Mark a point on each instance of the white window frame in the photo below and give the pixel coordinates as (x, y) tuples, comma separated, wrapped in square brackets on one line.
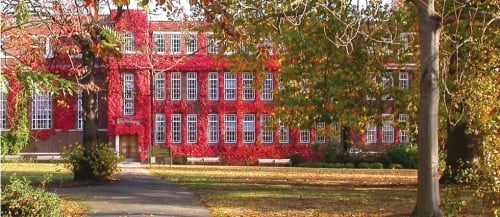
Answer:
[(128, 94), (160, 127), (159, 42), (404, 80), (213, 86), (175, 43), (230, 86), (3, 110), (192, 86), (176, 128), (387, 129), (267, 88), (320, 126), (336, 137), (175, 86), (248, 128), (41, 111), (128, 42), (213, 128), (284, 133), (192, 128), (404, 134), (230, 132), (248, 92), (266, 133), (371, 133), (213, 44), (387, 82), (305, 136), (160, 88), (191, 43)]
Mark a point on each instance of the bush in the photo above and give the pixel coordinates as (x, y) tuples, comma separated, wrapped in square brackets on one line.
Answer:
[(404, 155), (349, 165), (331, 153), (296, 159), (179, 160), (376, 165), (395, 166), (363, 165), (100, 160), (19, 198)]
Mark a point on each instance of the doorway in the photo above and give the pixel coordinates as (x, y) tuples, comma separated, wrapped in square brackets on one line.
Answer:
[(128, 146)]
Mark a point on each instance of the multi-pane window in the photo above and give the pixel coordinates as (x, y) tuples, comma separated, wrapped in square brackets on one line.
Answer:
[(41, 111), (213, 45), (248, 128), (230, 128), (404, 137), (267, 88), (266, 132), (175, 86), (320, 132), (247, 87), (192, 128), (160, 86), (387, 129), (3, 110), (79, 112), (159, 42), (213, 128), (386, 84), (192, 86), (192, 43), (371, 133), (305, 136), (160, 127), (336, 134), (128, 42), (213, 86), (128, 94), (176, 128), (229, 86), (175, 43), (284, 133), (403, 80)]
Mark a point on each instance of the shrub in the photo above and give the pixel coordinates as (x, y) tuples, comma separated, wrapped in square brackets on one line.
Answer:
[(100, 160), (296, 159), (19, 198), (331, 153), (179, 160), (404, 155), (376, 165), (363, 165), (395, 166), (349, 165)]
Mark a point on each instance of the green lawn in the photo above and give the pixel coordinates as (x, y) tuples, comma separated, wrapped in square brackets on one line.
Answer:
[(283, 191)]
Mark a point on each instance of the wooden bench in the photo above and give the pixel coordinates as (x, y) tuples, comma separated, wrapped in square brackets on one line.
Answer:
[(202, 160), (274, 162), (11, 157)]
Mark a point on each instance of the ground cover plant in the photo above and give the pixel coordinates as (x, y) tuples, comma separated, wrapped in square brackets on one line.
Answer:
[(39, 176), (284, 191)]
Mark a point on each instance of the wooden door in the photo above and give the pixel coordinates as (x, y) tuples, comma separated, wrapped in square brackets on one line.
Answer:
[(128, 146)]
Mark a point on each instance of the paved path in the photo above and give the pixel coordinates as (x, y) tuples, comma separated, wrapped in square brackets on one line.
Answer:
[(138, 193)]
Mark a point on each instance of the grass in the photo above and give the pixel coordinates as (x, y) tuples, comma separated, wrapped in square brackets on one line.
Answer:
[(36, 173), (283, 191)]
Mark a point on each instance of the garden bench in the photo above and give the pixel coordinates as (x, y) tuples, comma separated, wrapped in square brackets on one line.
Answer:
[(42, 156), (11, 157), (48, 157), (202, 160), (274, 162)]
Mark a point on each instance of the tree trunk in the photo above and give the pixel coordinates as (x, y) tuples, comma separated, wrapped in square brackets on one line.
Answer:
[(428, 157), (90, 109), (459, 152)]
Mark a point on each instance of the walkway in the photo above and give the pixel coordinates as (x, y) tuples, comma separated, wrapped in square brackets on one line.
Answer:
[(138, 193)]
